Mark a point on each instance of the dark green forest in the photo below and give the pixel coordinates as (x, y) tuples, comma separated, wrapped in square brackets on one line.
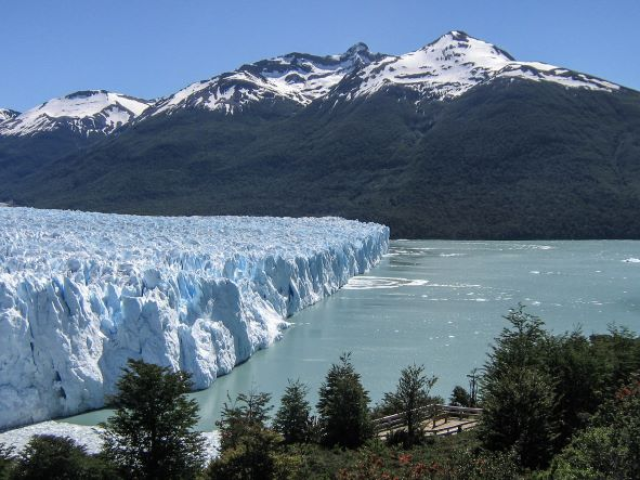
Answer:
[(506, 160)]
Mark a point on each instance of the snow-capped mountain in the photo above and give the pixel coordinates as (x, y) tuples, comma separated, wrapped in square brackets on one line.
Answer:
[(444, 69), (455, 63), (86, 113), (297, 77), (455, 140), (7, 114)]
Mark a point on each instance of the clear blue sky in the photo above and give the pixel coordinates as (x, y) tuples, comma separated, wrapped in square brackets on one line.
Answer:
[(150, 48)]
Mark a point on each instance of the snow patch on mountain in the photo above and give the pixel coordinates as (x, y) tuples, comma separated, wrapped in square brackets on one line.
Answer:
[(455, 63), (7, 114), (80, 293), (87, 112)]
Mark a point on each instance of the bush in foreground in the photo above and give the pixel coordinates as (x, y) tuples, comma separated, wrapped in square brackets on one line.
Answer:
[(47, 457)]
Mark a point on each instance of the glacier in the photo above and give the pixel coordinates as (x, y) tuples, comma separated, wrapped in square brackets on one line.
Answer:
[(81, 293)]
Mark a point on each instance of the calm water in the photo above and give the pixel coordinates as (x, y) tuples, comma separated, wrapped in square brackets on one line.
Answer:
[(439, 303)]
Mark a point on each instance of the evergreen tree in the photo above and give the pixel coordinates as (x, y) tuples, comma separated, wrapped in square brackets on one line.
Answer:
[(47, 457), (518, 393), (150, 435), (293, 418), (411, 399), (343, 406)]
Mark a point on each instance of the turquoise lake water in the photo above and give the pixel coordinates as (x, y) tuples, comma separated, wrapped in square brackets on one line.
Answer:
[(439, 303)]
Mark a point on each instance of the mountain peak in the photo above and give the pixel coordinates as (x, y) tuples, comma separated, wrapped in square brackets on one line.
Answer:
[(455, 63), (85, 94), (359, 47), (457, 35), (295, 77), (85, 111), (457, 39)]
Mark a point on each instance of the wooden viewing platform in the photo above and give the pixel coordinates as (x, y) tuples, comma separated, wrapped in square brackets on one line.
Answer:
[(436, 420)]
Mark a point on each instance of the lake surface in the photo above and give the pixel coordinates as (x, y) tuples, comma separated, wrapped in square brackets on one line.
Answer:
[(439, 303)]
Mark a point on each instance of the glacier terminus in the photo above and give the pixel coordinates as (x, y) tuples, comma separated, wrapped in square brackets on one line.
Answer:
[(81, 293)]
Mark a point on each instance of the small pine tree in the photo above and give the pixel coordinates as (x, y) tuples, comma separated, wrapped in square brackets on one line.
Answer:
[(293, 418), (150, 435), (343, 406), (411, 398)]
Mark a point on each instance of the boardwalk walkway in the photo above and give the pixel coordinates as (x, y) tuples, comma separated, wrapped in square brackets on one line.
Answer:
[(437, 420)]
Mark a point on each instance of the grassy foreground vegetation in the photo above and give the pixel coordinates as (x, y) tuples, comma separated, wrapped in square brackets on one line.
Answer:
[(554, 407)]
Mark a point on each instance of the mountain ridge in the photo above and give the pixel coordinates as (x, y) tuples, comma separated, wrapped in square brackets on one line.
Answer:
[(507, 150), (357, 60)]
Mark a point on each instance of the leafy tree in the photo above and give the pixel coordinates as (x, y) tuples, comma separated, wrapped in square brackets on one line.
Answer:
[(587, 457), (518, 394), (293, 418), (47, 457), (343, 406), (253, 458), (621, 347), (460, 397), (582, 375), (411, 399), (248, 447), (518, 414), (150, 435), (525, 343), (240, 419), (610, 447)]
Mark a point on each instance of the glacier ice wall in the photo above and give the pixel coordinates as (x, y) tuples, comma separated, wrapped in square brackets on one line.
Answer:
[(80, 293)]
